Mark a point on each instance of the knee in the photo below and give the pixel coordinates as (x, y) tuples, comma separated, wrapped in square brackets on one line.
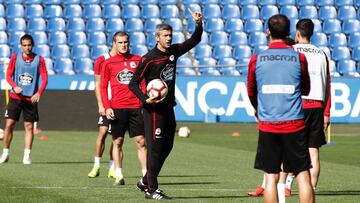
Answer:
[(140, 142), (28, 126), (118, 142)]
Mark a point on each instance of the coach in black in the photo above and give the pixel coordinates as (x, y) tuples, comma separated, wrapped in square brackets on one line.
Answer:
[(159, 117)]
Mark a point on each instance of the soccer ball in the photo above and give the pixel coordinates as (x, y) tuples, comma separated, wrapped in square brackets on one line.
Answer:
[(184, 131), (157, 88)]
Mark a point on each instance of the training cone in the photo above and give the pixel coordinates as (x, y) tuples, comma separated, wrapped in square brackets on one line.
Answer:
[(235, 134), (44, 137), (37, 131)]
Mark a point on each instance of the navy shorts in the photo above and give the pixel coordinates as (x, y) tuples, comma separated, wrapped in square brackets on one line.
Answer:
[(314, 127), (130, 120), (15, 107)]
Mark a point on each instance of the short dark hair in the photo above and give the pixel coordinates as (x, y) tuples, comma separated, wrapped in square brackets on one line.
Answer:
[(27, 37), (289, 41), (161, 27), (305, 27), (119, 34), (279, 26)]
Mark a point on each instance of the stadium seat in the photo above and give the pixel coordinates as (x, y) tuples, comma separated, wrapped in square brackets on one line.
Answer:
[(60, 51), (308, 12), (339, 3), (34, 11), (225, 2), (203, 50), (242, 51), (355, 54), (290, 11), (331, 26), (357, 3), (95, 24), (257, 38), (228, 67), (238, 38), (337, 39), (204, 2), (72, 11), (207, 66), (286, 2), (42, 50), (2, 10), (83, 66), (98, 50), (49, 66), (347, 68), (218, 38), (39, 37), (305, 2), (340, 53), (16, 24), (36, 24), (234, 25), (16, 48), (214, 24), (175, 23), (137, 38), (169, 11), (346, 12), (230, 11), (184, 61), (319, 39), (79, 51), (266, 2), (52, 2), (351, 26), (114, 24), (150, 24), (131, 11), (76, 38), (69, 2), (212, 11), (146, 2), (111, 11), (190, 25), (14, 10), (317, 25), (150, 11), (333, 70), (267, 11), (3, 37), (126, 2), (167, 2), (150, 40), (178, 37), (4, 51), (7, 2), (204, 38), (58, 37), (53, 11), (247, 2), (327, 12), (325, 3), (193, 7), (64, 66), (28, 2), (134, 25), (92, 11), (56, 24), (86, 2), (253, 25), (326, 50), (354, 40), (222, 51), (2, 24), (96, 38), (14, 37), (75, 25), (139, 49), (184, 67), (250, 12), (259, 48)]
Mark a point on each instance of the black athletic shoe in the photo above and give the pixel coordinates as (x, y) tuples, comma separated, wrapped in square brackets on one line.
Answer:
[(141, 186), (157, 195)]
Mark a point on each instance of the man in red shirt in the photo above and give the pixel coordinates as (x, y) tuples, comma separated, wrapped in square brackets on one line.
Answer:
[(103, 122), (23, 75), (124, 108)]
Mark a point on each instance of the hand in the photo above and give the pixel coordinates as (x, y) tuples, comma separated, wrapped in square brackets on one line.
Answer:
[(35, 98), (326, 122), (110, 114), (154, 100), (197, 16), (17, 90), (102, 111)]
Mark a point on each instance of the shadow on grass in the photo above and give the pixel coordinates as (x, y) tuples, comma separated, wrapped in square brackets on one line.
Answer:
[(186, 176), (338, 193), (215, 197), (191, 183)]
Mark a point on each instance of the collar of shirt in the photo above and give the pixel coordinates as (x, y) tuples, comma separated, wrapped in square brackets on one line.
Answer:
[(275, 45)]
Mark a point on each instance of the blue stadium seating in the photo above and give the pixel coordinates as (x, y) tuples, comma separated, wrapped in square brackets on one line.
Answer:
[(266, 2), (317, 25), (354, 40), (2, 11), (327, 12), (2, 24), (207, 66), (92, 11), (331, 26), (333, 69), (250, 12), (111, 11), (34, 11), (290, 11), (203, 50), (80, 51), (218, 38), (137, 38), (222, 51), (230, 11), (184, 67), (355, 54), (150, 24), (238, 38), (14, 10), (247, 2), (212, 11), (85, 2), (12, 2), (16, 49), (134, 25), (52, 2), (16, 24), (325, 3), (228, 68), (64, 66), (340, 53), (305, 2), (214, 24), (139, 49), (193, 8), (169, 11), (72, 10), (337, 39), (76, 38), (308, 12), (39, 37), (53, 11), (114, 24), (178, 37), (346, 12), (3, 37), (175, 23), (4, 51), (259, 48), (168, 2), (96, 38), (75, 24), (84, 66), (225, 2), (253, 25), (49, 66), (69, 2), (351, 26), (58, 37), (267, 11), (127, 2), (150, 40), (98, 50), (347, 68), (286, 2), (234, 25), (242, 51), (150, 11), (28, 2), (145, 2), (42, 50), (257, 38), (339, 3), (319, 39), (36, 24), (60, 51), (204, 38), (56, 24), (95, 24)]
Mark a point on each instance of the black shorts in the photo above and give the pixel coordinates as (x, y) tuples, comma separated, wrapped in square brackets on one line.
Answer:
[(314, 131), (289, 149), (103, 121), (15, 106), (127, 119)]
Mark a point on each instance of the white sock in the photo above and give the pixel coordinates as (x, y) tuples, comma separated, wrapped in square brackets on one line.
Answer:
[(264, 182), (118, 172), (143, 171), (111, 164), (6, 151), (27, 153), (314, 189), (97, 161), (281, 192), (289, 181)]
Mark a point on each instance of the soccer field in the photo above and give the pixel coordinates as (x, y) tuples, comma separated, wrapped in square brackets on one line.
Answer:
[(210, 166)]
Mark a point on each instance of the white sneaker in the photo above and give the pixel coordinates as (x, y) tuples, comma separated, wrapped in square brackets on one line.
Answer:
[(26, 161), (4, 159)]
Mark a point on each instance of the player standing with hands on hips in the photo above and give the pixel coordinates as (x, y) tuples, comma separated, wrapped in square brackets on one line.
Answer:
[(159, 117)]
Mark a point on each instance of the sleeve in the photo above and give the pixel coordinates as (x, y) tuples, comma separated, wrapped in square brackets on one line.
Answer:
[(187, 45), (328, 89), (97, 64), (104, 83), (10, 71), (251, 82), (137, 78), (305, 78), (44, 75)]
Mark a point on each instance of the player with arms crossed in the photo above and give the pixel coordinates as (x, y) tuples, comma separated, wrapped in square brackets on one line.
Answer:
[(277, 78), (124, 108)]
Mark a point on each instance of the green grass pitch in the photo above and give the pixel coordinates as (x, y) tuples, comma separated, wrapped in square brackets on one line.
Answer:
[(210, 166)]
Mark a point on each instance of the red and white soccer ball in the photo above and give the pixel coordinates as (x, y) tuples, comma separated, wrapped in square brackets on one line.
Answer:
[(157, 88), (184, 131)]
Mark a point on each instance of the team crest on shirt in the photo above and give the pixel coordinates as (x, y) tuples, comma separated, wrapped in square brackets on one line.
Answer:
[(172, 57), (158, 131), (168, 72), (26, 79), (132, 64), (124, 76)]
